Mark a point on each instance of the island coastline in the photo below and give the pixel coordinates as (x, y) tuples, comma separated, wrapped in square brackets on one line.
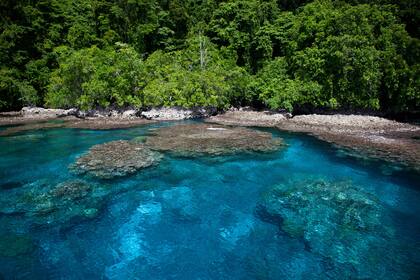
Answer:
[(373, 136)]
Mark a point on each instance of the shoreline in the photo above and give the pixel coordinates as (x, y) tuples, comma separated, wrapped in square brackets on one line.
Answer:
[(374, 136)]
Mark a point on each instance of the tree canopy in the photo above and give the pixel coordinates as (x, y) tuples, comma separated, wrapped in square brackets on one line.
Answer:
[(326, 54)]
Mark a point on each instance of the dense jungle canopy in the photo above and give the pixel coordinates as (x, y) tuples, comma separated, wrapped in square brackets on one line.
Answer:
[(349, 55)]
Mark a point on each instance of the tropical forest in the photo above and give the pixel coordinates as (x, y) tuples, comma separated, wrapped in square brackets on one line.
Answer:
[(209, 139)]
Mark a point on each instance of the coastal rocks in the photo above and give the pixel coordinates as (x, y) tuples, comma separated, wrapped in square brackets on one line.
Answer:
[(38, 112), (338, 221), (73, 122), (369, 135), (168, 114), (115, 159), (342, 122), (43, 203), (109, 113), (207, 139), (377, 137), (129, 114), (248, 118)]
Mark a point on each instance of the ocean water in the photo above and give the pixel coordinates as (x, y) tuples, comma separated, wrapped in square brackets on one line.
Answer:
[(192, 218)]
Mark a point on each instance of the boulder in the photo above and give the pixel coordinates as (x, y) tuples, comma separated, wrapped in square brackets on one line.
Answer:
[(128, 114)]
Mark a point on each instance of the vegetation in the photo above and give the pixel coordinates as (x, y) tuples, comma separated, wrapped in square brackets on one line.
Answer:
[(278, 54)]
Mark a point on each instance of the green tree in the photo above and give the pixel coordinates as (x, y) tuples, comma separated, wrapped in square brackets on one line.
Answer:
[(94, 77)]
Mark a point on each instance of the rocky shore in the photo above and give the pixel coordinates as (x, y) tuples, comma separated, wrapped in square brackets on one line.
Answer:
[(37, 114), (30, 118), (373, 136)]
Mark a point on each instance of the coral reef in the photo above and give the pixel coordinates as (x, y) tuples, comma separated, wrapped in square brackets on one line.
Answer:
[(44, 203), (115, 159), (338, 221), (207, 139)]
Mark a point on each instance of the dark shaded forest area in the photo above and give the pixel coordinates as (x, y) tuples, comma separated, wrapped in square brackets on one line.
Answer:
[(347, 55)]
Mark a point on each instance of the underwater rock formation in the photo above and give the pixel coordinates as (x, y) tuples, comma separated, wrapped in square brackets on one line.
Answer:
[(44, 203), (340, 222), (115, 159), (207, 139)]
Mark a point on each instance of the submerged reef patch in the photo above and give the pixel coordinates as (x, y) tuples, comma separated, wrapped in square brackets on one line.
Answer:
[(43, 203), (115, 159), (207, 139), (342, 223)]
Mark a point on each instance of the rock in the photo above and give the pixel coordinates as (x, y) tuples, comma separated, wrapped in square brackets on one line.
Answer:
[(288, 115), (167, 114), (82, 114), (13, 245), (109, 114), (128, 114), (207, 139), (115, 159), (246, 117), (73, 112), (170, 113), (338, 221), (113, 114), (37, 112), (371, 136), (359, 122)]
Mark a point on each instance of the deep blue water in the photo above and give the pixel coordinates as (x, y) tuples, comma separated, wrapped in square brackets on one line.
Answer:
[(188, 218)]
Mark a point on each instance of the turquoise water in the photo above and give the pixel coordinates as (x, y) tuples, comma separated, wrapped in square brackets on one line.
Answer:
[(192, 218)]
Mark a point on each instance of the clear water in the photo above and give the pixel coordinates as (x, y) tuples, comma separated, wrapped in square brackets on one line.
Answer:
[(187, 218)]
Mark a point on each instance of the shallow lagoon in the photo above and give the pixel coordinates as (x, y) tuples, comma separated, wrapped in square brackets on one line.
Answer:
[(191, 218)]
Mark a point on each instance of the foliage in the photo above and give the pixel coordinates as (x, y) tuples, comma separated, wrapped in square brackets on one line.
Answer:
[(192, 77), (277, 90), (335, 55), (94, 77), (348, 54)]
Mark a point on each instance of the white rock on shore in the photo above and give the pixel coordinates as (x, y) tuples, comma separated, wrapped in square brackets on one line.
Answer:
[(165, 113), (128, 114), (161, 114), (42, 113), (38, 112)]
